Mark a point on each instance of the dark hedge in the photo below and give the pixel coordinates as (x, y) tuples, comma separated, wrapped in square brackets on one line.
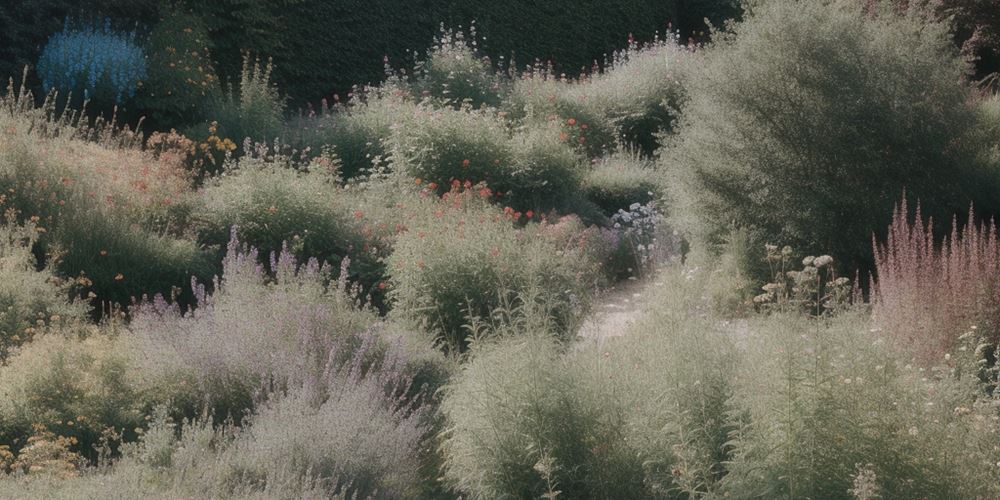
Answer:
[(321, 47)]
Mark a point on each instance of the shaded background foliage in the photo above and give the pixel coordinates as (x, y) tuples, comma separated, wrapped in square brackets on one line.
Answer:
[(322, 47)]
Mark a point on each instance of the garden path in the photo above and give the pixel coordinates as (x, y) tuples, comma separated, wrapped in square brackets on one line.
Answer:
[(616, 310)]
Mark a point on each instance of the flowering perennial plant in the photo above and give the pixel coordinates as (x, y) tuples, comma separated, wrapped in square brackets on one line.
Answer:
[(93, 59)]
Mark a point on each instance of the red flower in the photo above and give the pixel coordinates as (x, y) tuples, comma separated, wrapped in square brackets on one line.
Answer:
[(508, 210), (432, 185), (571, 122), (466, 163), (563, 136), (495, 252), (485, 192), (530, 214), (358, 214), (381, 285), (455, 183), (468, 184), (517, 215), (584, 126)]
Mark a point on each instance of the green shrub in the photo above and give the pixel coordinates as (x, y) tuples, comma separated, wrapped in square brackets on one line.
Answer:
[(120, 262), (358, 132), (523, 423), (641, 93), (540, 98), (74, 388), (182, 79), (532, 170), (807, 123), (103, 209), (618, 181), (469, 261), (273, 205), (28, 296), (439, 146), (545, 173), (456, 74)]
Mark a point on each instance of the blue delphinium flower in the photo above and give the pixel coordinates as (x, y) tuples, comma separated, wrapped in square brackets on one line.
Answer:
[(88, 58)]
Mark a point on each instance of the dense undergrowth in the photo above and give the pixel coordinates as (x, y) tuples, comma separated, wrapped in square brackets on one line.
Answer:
[(383, 299)]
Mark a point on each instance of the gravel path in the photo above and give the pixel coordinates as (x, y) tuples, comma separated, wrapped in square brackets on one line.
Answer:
[(616, 310)]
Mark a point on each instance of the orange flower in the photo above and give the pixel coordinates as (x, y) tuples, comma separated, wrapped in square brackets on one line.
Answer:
[(418, 180)]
